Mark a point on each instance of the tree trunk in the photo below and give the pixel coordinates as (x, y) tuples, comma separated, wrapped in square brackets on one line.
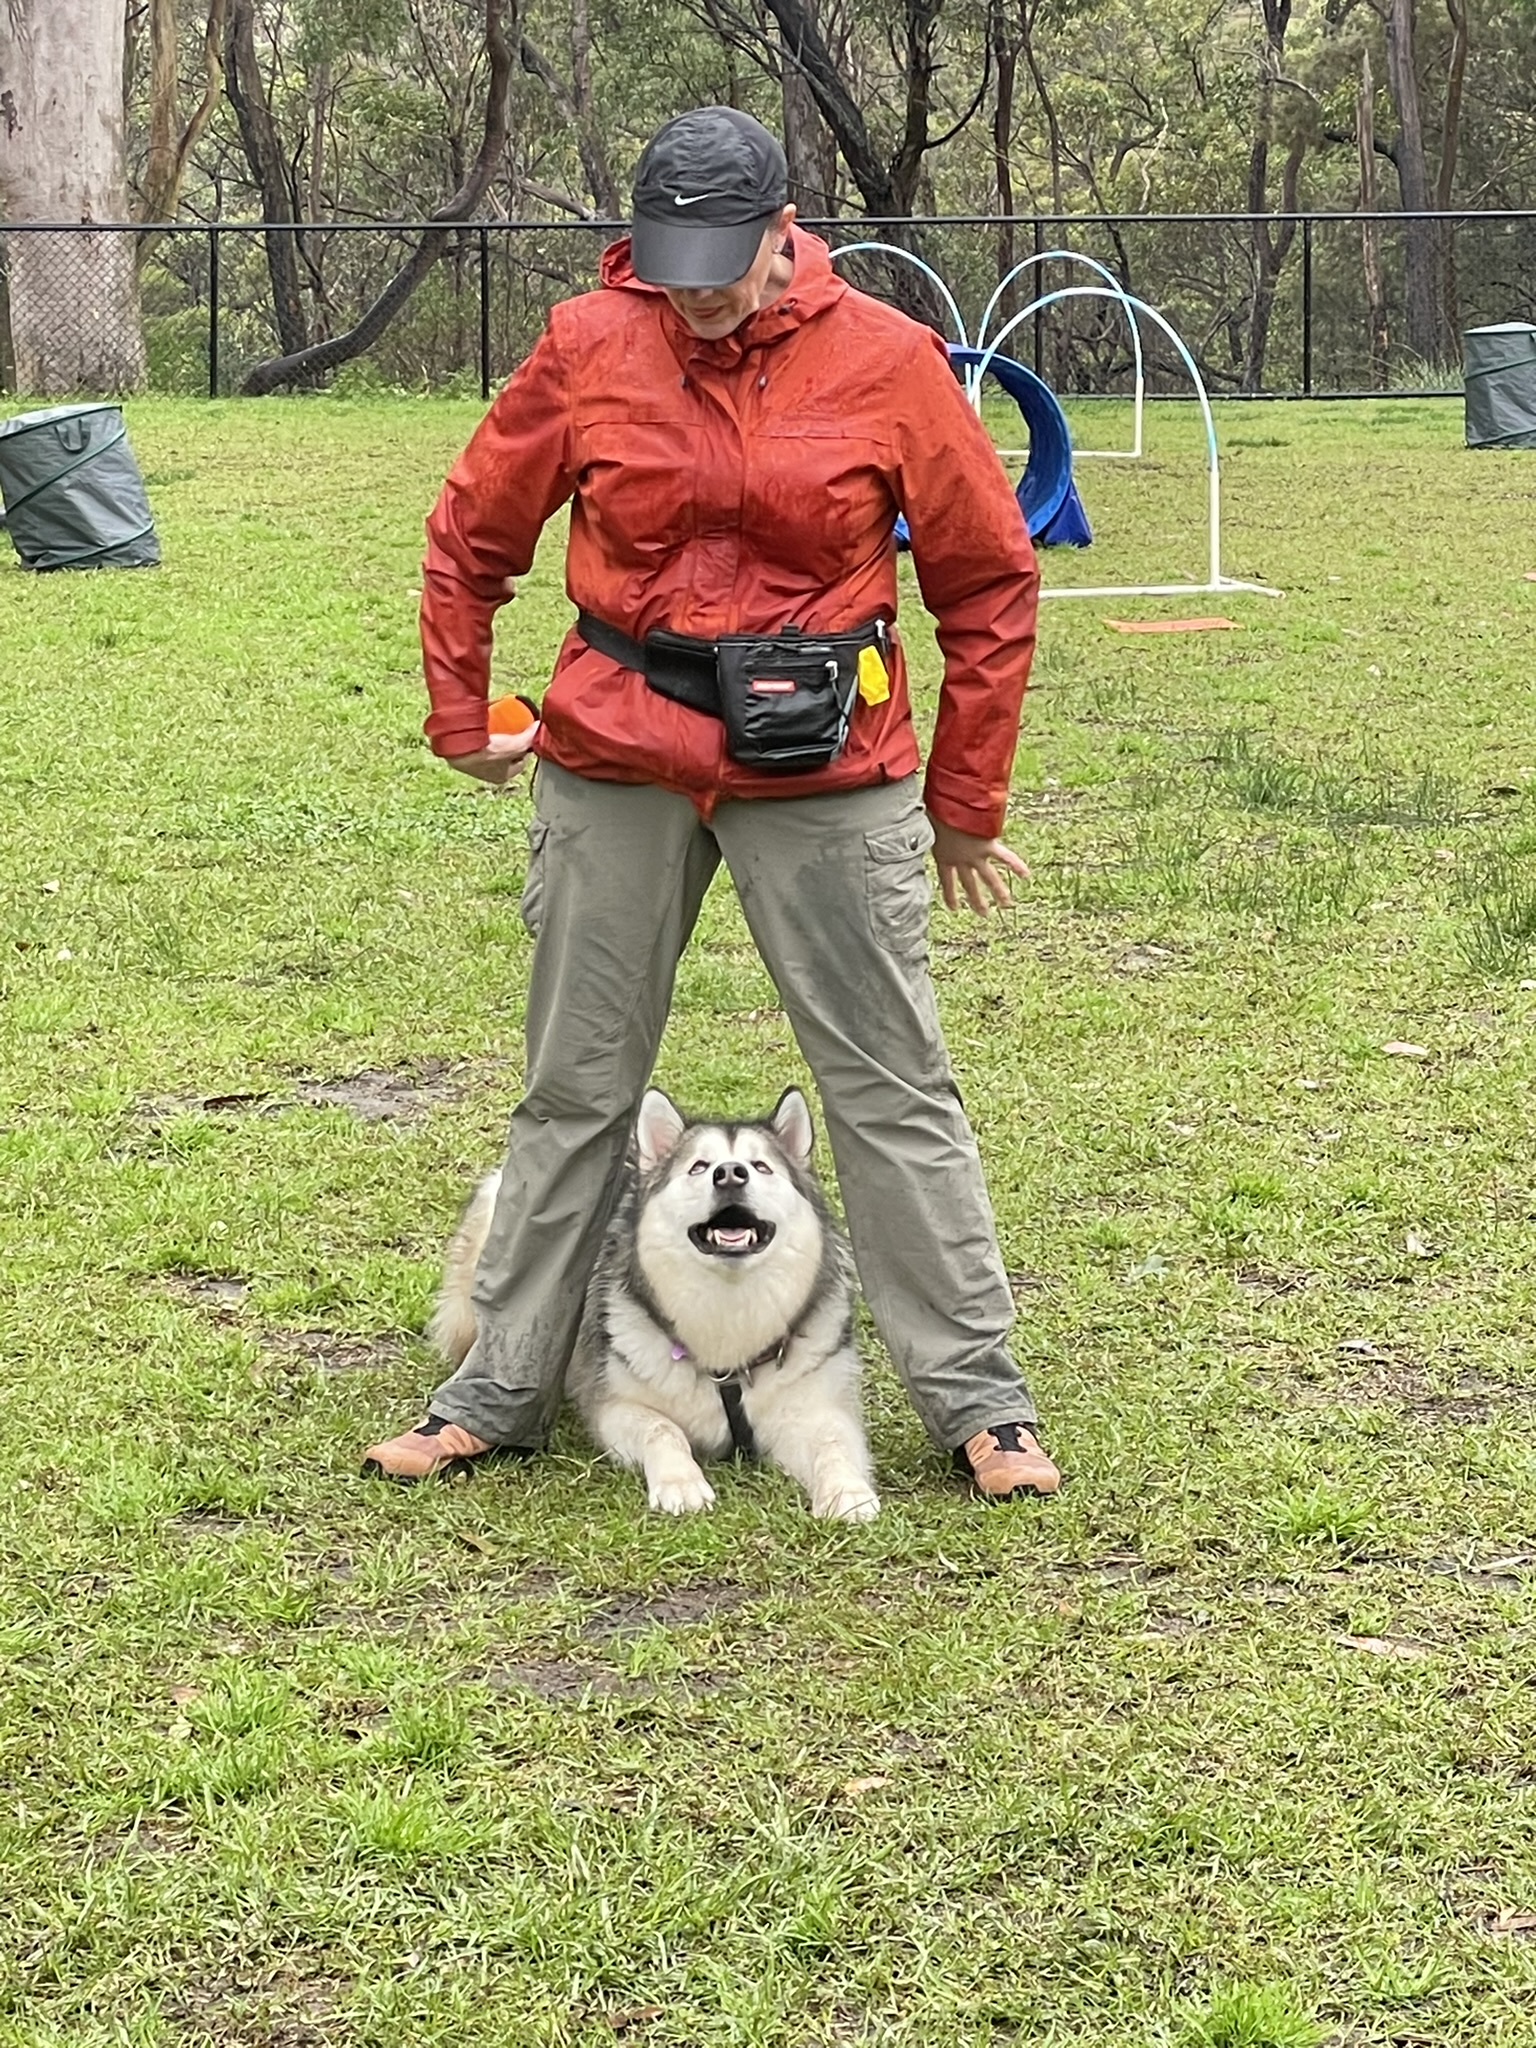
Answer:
[(887, 189), (809, 147), (1005, 57), (170, 152), (576, 103), (74, 299), (308, 364), (1370, 241), (1419, 253), (1445, 183), (264, 154), (1271, 245)]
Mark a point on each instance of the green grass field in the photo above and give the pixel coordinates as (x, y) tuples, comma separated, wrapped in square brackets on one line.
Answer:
[(1232, 1747)]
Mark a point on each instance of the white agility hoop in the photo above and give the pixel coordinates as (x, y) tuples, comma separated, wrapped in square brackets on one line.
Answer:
[(1128, 305), (1217, 580), (890, 249)]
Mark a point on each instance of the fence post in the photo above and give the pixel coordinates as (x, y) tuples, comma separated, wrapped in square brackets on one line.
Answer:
[(485, 312), (213, 312), (1306, 307), (1035, 293)]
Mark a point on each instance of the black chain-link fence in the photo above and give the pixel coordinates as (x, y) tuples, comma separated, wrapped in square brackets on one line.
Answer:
[(1331, 317)]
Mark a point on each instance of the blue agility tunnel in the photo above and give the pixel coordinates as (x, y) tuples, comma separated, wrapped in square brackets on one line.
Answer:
[(1047, 498)]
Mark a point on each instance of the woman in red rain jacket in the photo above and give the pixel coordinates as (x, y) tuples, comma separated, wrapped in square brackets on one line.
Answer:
[(735, 430)]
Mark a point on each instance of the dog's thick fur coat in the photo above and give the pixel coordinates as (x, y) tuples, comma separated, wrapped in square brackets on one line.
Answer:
[(720, 1264)]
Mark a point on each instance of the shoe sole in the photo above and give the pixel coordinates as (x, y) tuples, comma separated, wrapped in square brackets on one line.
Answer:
[(450, 1468)]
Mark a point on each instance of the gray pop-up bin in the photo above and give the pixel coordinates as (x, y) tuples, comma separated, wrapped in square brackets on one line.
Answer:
[(1501, 385), (74, 498)]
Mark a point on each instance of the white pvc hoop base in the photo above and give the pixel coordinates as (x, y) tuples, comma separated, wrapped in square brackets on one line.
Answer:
[(1157, 589)]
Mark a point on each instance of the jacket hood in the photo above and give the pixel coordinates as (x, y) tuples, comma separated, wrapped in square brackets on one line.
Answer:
[(814, 286)]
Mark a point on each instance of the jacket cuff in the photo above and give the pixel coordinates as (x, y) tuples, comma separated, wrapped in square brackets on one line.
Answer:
[(960, 805), (466, 740)]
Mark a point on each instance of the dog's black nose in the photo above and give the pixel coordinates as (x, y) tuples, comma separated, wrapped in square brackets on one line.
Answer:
[(730, 1173)]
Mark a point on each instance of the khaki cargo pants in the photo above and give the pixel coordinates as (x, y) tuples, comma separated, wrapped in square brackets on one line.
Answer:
[(836, 891)]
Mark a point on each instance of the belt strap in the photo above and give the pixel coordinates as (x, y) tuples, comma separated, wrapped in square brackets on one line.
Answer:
[(674, 664)]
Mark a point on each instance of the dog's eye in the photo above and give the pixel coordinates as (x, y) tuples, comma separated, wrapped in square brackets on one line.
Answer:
[(761, 1166), (699, 1166)]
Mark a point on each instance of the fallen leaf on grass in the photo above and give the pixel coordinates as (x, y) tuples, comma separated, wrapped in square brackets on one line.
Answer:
[(1401, 1049), (1387, 1646), (184, 1695), (632, 2016), (855, 1788), (180, 1730), (1152, 1267), (472, 1541), (1415, 1244), (1173, 625), (1508, 1921)]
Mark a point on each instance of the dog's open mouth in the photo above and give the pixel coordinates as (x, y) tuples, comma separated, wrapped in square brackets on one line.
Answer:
[(731, 1233)]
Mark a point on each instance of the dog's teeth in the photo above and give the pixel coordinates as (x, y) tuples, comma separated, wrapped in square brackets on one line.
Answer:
[(729, 1239)]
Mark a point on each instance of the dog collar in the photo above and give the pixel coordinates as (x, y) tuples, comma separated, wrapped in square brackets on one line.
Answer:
[(774, 1355)]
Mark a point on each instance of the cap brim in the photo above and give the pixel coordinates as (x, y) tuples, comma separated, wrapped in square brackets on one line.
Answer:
[(694, 254)]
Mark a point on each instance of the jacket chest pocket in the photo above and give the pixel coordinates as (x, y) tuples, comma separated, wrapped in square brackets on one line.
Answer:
[(825, 492), (637, 476)]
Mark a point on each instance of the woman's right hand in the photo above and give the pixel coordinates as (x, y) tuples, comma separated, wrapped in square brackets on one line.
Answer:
[(500, 760)]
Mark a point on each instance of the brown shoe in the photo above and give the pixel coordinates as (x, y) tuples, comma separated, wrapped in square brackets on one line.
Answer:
[(1007, 1460), (434, 1449)]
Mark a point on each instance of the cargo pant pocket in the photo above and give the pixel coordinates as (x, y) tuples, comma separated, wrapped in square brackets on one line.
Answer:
[(531, 907), (898, 886)]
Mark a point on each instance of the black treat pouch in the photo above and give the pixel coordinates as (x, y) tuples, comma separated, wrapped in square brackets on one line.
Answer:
[(787, 700)]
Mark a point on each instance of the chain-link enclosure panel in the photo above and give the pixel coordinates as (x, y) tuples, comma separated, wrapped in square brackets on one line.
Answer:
[(1315, 305)]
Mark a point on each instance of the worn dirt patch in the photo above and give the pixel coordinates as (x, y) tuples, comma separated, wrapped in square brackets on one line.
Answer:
[(218, 1294), (331, 1351), (1146, 959), (555, 1680), (374, 1094), (379, 1096), (259, 2011), (208, 1522), (1365, 1375), (1271, 1280), (1500, 1574), (1120, 1568), (628, 1614)]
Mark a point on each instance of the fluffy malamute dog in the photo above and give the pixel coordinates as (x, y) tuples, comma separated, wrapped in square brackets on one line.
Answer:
[(719, 1317)]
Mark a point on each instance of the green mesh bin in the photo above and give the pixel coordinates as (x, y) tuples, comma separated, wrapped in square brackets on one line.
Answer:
[(74, 498), (1501, 385)]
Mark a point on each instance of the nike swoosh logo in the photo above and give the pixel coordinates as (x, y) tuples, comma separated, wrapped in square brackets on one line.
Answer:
[(679, 200)]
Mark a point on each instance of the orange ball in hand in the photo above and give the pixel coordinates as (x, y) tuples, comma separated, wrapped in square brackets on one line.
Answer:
[(511, 714)]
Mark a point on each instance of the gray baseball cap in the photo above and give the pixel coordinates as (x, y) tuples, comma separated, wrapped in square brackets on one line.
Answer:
[(706, 187)]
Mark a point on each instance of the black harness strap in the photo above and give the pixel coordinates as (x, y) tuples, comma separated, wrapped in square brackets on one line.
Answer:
[(743, 1442)]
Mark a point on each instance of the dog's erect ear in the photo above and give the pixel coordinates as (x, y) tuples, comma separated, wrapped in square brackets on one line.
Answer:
[(791, 1125), (657, 1129)]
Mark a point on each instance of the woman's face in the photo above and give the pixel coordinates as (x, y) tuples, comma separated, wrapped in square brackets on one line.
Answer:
[(713, 311)]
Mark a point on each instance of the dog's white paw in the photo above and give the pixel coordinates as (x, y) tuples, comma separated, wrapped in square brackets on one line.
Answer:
[(689, 1494), (854, 1502)]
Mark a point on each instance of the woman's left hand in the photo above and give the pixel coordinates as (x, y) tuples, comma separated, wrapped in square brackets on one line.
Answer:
[(965, 862)]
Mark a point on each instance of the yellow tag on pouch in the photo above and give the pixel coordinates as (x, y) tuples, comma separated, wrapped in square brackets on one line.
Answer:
[(874, 680)]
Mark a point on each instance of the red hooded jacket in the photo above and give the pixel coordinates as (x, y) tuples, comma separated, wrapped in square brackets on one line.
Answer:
[(734, 486)]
